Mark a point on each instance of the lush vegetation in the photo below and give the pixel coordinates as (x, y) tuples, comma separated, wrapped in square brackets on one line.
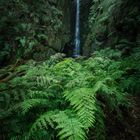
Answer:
[(64, 98), (28, 28), (59, 98)]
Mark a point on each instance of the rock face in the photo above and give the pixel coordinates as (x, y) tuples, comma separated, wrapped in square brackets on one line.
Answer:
[(85, 11), (107, 23), (57, 40), (38, 29), (64, 36)]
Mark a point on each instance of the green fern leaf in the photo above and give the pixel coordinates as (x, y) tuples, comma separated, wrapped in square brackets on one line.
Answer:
[(28, 104), (83, 101), (43, 122), (71, 127)]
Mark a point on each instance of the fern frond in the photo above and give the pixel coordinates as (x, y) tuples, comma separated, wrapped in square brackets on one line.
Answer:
[(28, 104), (37, 94), (43, 122), (83, 101), (22, 137), (71, 127)]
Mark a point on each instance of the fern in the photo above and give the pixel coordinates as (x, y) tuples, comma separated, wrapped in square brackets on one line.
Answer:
[(43, 122), (66, 99), (70, 127), (83, 101), (30, 103)]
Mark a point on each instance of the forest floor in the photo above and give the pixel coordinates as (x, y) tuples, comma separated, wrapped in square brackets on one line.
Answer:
[(129, 128)]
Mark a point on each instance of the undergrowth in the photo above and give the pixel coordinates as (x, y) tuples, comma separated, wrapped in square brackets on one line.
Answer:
[(63, 98)]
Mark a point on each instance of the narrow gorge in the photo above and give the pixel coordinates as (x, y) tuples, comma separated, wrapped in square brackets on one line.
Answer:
[(69, 69)]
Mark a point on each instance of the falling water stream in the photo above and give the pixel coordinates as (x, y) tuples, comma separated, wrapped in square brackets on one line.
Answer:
[(77, 30)]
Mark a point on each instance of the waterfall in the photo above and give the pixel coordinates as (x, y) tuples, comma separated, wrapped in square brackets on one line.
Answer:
[(77, 30)]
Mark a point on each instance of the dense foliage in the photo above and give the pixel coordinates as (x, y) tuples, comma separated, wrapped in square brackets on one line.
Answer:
[(28, 28), (113, 23), (63, 98)]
